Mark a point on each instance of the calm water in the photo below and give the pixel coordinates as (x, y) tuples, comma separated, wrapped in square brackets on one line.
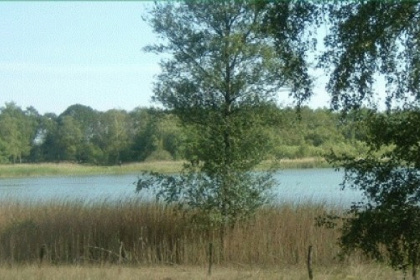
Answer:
[(296, 186)]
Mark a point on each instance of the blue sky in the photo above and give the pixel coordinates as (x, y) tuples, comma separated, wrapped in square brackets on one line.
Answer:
[(56, 54)]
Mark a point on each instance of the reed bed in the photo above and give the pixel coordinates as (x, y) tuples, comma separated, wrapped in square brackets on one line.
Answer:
[(132, 231)]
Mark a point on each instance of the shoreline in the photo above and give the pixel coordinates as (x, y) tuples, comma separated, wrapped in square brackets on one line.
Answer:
[(28, 170)]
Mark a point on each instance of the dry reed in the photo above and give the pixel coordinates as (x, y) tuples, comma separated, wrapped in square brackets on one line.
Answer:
[(136, 232)]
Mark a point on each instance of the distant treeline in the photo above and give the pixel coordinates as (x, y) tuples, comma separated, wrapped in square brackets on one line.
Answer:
[(81, 134)]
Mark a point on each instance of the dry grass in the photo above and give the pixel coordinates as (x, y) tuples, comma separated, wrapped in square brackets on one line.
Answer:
[(74, 232), (82, 241), (29, 272)]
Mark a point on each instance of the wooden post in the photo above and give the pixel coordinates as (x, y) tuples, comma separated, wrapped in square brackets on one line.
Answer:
[(42, 253), (121, 255), (309, 263), (210, 257)]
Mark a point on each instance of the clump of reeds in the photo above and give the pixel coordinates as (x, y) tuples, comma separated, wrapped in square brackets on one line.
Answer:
[(138, 232)]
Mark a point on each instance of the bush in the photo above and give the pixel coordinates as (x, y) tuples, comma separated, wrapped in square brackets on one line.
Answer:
[(159, 155)]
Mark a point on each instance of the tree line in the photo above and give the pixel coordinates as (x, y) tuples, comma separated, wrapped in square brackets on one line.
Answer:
[(81, 134)]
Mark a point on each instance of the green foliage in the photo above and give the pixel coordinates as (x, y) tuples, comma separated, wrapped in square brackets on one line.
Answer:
[(18, 130), (148, 132), (159, 155), (214, 204), (69, 138), (3, 152), (370, 41), (113, 133), (386, 224), (160, 131)]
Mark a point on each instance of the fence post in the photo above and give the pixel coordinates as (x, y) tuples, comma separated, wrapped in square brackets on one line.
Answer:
[(121, 253), (309, 263), (210, 257), (43, 253)]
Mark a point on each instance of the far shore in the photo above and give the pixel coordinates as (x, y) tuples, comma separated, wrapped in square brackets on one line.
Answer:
[(72, 169)]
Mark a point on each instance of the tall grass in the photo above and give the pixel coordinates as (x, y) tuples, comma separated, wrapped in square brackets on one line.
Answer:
[(69, 232)]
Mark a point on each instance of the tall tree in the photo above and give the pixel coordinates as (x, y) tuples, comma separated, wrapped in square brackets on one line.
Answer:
[(68, 139), (370, 40), (114, 134), (160, 136), (18, 129), (48, 144), (221, 79), (88, 121)]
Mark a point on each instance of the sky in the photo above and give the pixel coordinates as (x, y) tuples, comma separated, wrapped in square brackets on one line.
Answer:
[(57, 54)]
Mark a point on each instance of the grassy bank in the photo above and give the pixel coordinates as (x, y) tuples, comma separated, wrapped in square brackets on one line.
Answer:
[(67, 169), (134, 232), (71, 169), (48, 272)]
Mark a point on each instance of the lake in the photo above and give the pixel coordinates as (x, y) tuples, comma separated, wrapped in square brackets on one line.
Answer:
[(294, 186)]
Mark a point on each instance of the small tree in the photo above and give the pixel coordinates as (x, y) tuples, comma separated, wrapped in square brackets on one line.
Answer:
[(222, 81)]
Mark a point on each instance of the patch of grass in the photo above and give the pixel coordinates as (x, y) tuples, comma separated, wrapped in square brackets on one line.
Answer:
[(105, 272)]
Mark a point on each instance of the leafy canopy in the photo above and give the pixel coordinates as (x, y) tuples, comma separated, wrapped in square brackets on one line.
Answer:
[(370, 40)]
